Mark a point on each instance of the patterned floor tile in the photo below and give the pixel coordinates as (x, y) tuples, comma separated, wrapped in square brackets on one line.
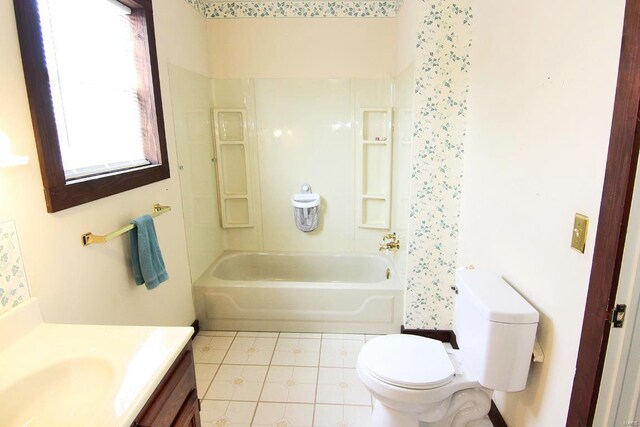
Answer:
[(237, 382), (349, 337), (340, 353), (342, 416), (300, 335), (204, 375), (218, 413), (283, 415), (341, 386), (290, 384), (210, 349), (250, 351), (258, 334), (297, 352)]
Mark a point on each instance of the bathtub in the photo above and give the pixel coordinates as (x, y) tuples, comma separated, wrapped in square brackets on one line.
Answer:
[(300, 292)]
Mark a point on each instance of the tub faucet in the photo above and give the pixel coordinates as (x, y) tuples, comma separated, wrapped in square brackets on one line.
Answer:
[(390, 242)]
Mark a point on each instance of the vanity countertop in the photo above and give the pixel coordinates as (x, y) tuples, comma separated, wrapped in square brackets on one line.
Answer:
[(79, 375)]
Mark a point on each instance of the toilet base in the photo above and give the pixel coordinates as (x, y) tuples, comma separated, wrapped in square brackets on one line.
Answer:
[(465, 408), (384, 416), (484, 422)]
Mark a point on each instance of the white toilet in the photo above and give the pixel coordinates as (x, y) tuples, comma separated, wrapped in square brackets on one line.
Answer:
[(416, 381)]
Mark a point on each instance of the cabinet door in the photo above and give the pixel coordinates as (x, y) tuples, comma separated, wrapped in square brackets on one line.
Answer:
[(189, 415), (170, 396)]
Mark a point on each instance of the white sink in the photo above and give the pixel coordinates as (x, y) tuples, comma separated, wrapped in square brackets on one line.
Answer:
[(57, 375), (63, 394)]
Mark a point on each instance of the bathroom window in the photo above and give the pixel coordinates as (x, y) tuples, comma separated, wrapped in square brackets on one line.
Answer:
[(92, 79)]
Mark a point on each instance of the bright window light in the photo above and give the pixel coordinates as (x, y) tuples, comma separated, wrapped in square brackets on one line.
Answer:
[(94, 85)]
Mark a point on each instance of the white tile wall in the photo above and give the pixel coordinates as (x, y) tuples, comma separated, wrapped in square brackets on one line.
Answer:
[(295, 141)]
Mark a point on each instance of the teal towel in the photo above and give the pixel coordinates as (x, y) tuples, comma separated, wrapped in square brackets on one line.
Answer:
[(146, 258)]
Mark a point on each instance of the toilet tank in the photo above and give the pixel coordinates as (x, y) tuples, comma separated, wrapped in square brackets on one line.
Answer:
[(495, 329)]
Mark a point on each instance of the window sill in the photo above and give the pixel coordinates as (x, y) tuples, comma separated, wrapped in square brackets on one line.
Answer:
[(77, 192)]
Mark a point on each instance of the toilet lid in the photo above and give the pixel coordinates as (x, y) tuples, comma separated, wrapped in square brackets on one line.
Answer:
[(407, 361)]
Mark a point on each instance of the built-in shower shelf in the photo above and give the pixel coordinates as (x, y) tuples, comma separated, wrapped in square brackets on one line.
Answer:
[(373, 168), (232, 147)]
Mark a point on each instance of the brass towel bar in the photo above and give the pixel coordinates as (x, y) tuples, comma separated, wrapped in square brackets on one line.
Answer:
[(90, 238)]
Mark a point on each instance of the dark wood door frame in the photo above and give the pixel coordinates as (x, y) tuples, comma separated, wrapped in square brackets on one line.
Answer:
[(622, 160)]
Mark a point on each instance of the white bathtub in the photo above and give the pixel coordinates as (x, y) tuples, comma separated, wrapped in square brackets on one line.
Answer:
[(300, 292)]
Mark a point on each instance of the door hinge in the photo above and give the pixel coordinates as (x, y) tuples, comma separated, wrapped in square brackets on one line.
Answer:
[(616, 316)]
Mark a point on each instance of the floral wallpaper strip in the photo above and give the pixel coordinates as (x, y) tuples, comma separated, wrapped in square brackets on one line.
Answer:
[(440, 106), (295, 9), (13, 280), (198, 5)]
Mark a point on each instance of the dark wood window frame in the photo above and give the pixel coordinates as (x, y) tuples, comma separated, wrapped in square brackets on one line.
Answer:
[(62, 194)]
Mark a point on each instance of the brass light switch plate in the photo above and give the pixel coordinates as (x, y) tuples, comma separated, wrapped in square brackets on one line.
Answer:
[(579, 235)]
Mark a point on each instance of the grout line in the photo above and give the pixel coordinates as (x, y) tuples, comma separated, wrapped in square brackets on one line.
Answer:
[(219, 365), (228, 400), (228, 349), (210, 382), (315, 396), (254, 338), (290, 403), (265, 378)]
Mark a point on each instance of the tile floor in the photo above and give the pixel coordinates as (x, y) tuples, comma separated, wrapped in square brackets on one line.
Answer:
[(280, 379)]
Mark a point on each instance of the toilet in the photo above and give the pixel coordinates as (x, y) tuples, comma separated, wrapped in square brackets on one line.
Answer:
[(417, 381)]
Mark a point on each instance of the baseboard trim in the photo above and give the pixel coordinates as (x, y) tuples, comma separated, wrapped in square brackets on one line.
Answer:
[(196, 328), (496, 417), (446, 335)]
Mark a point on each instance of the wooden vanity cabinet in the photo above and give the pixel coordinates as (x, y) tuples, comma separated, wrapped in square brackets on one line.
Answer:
[(174, 403)]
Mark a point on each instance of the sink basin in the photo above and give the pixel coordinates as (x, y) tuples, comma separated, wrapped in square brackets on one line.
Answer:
[(59, 375), (62, 394)]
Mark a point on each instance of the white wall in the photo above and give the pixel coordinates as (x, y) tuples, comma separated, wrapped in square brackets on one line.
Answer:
[(93, 284), (542, 86), (302, 47), (406, 21)]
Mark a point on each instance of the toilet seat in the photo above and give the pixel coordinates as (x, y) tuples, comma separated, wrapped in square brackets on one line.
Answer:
[(407, 361)]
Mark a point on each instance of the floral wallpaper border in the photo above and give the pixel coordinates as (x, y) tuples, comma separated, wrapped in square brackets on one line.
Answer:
[(216, 9), (440, 106), (13, 280)]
